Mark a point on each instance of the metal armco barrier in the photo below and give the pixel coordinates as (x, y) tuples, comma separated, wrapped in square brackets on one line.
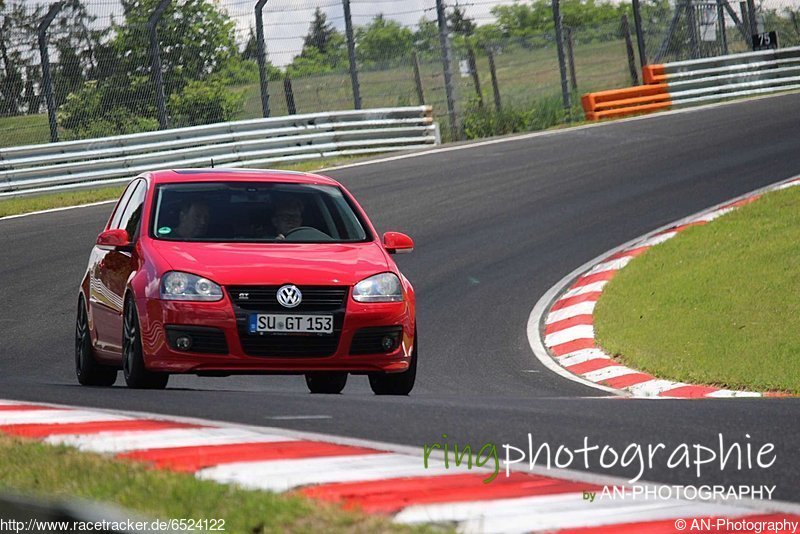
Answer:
[(90, 163), (699, 81)]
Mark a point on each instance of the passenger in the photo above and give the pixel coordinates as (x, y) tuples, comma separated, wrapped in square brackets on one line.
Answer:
[(192, 220)]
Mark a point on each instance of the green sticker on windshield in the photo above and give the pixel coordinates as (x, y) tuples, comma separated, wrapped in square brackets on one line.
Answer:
[(164, 230)]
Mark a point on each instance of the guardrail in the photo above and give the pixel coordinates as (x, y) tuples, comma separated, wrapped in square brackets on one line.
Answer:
[(70, 165), (698, 81)]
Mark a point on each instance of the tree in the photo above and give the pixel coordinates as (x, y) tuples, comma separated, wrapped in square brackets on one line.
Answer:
[(459, 23), (426, 38), (382, 41), (196, 39), (321, 34), (536, 18), (250, 50), (196, 42), (19, 51), (324, 49)]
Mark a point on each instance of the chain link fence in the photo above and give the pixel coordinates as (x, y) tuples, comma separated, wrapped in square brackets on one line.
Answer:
[(125, 66)]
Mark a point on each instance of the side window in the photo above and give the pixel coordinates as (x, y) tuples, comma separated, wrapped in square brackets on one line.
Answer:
[(133, 211), (123, 201)]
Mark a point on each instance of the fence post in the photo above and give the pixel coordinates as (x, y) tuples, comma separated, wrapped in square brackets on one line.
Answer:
[(158, 79), (291, 109), (444, 42), (673, 25), (562, 67), (46, 81), (691, 22), (751, 10), (418, 79), (351, 54), (722, 32), (746, 23), (261, 57), (495, 87), (637, 22), (473, 69), (735, 18), (571, 56), (626, 31)]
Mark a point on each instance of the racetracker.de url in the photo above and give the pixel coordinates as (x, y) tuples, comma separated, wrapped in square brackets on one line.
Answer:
[(129, 525)]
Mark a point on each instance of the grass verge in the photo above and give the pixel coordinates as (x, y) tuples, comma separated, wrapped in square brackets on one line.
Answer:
[(31, 467), (15, 206), (717, 305)]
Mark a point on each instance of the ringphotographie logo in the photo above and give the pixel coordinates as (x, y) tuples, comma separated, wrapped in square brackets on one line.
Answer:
[(728, 455)]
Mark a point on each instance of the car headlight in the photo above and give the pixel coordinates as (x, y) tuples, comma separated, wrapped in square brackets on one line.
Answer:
[(176, 285), (384, 287)]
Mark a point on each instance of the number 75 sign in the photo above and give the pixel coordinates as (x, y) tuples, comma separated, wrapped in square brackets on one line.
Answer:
[(765, 41)]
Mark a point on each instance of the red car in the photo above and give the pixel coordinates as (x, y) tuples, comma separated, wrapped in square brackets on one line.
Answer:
[(223, 271)]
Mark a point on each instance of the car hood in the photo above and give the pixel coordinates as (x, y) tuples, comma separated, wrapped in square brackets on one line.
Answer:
[(276, 263)]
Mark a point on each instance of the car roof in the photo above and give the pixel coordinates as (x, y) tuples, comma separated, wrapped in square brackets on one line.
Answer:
[(238, 175)]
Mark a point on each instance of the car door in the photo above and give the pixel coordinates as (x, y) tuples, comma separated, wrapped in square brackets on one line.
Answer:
[(113, 267)]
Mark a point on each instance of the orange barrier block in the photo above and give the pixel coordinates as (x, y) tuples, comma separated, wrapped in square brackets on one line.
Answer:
[(633, 110), (600, 97), (653, 74), (626, 101)]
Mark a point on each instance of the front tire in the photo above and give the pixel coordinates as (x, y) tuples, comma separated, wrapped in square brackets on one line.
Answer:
[(88, 371), (330, 383), (396, 383), (136, 374)]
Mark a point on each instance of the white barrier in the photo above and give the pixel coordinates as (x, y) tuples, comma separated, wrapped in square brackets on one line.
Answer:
[(89, 163), (711, 79), (699, 81)]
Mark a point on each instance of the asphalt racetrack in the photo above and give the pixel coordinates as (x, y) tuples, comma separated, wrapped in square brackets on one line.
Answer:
[(495, 227)]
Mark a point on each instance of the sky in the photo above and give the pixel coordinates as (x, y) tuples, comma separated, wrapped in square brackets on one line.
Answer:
[(286, 22)]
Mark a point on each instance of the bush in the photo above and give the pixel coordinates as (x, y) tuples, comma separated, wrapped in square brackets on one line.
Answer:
[(238, 71), (118, 122), (204, 103), (85, 114), (486, 121)]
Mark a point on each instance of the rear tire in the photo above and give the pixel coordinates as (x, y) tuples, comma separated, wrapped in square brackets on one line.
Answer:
[(136, 374), (88, 371), (396, 383), (330, 383)]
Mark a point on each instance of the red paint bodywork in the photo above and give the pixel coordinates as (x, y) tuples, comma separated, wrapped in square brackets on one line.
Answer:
[(115, 273)]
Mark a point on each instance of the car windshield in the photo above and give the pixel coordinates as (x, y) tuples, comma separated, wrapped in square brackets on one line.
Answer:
[(258, 212)]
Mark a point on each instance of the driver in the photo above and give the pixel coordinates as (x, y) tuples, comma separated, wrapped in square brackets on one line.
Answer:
[(288, 216)]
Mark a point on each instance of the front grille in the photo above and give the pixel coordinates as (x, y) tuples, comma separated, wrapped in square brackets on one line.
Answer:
[(291, 345), (370, 340), (205, 340), (263, 299)]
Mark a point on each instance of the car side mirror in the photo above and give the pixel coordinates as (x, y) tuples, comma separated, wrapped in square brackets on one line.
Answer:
[(116, 238), (397, 243)]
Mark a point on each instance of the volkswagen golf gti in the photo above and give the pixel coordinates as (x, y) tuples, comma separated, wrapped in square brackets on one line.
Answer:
[(216, 272)]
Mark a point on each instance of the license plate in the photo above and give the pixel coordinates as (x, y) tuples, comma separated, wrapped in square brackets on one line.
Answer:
[(290, 324)]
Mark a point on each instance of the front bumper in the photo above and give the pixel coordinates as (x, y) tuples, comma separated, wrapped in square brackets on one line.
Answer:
[(156, 314)]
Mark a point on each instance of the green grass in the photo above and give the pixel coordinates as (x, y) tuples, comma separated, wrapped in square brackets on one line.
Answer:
[(36, 469), (24, 130), (524, 76), (15, 206), (717, 305)]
